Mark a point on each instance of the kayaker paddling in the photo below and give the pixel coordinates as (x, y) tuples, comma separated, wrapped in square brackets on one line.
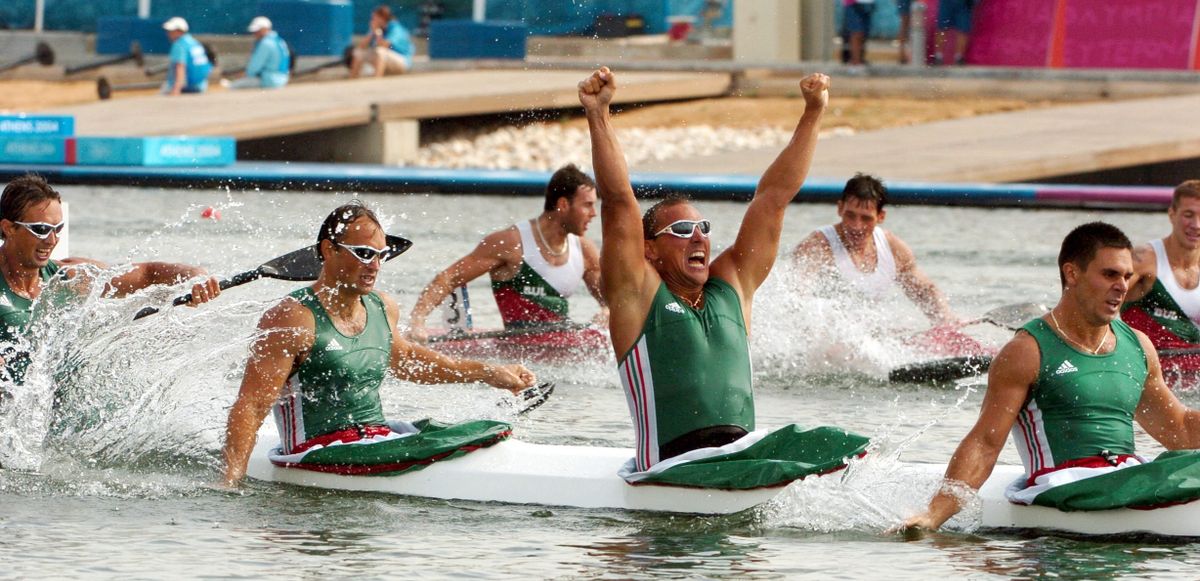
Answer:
[(534, 265), (1069, 387), (31, 219), (321, 356)]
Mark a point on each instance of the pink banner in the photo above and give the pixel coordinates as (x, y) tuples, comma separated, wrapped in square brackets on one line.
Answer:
[(1141, 34)]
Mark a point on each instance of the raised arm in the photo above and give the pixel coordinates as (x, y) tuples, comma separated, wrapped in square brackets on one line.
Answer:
[(285, 333), (623, 265), (747, 263), (1012, 373), (1160, 413), (918, 287), (494, 251)]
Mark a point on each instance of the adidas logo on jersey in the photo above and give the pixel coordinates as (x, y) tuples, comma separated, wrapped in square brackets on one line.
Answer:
[(1066, 367), (334, 346), (674, 308), (4, 301)]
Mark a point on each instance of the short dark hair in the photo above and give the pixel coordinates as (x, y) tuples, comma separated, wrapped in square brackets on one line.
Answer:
[(652, 214), (564, 184), (867, 188), (1188, 189), (24, 192), (334, 226), (382, 11), (1080, 246)]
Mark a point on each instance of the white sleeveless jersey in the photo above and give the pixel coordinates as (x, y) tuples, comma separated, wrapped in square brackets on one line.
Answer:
[(876, 284), (566, 278), (1187, 299)]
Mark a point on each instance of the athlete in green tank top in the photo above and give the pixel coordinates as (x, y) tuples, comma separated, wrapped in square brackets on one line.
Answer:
[(321, 354), (15, 314), (337, 385), (689, 371), (1082, 404), (1068, 388)]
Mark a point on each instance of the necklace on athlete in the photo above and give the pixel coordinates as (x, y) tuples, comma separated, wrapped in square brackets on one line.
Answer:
[(696, 303), (1064, 335), (537, 228)]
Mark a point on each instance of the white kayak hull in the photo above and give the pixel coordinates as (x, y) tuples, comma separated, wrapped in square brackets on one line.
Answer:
[(1182, 520), (518, 472)]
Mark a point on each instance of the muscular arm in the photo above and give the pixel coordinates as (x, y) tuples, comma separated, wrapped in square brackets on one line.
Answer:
[(1145, 272), (285, 333), (591, 273), (1012, 373), (1160, 413), (416, 363), (497, 250), (627, 280), (747, 263), (917, 286), (145, 274)]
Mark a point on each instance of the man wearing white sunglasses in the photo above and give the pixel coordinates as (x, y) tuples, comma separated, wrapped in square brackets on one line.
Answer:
[(680, 324), (323, 352), (31, 218)]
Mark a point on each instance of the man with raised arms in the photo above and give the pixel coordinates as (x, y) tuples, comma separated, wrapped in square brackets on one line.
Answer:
[(680, 325), (1069, 387), (1164, 295), (31, 219), (322, 353), (534, 265), (870, 260)]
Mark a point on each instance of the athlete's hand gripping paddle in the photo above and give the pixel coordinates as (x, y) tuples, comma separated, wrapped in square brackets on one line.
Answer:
[(299, 265)]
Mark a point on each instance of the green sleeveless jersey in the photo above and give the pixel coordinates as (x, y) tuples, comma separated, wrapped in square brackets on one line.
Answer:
[(337, 385), (689, 369), (1081, 404), (15, 317)]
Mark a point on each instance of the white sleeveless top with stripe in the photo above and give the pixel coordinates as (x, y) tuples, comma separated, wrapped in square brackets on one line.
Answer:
[(566, 278), (875, 284), (1187, 299)]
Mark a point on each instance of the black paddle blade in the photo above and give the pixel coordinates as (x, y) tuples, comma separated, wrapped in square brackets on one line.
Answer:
[(397, 245), (298, 265), (941, 370), (533, 397)]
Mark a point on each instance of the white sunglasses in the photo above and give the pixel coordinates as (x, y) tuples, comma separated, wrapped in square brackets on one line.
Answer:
[(686, 228), (367, 254), (41, 229)]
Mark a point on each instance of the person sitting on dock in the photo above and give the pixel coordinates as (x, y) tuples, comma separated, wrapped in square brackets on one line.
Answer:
[(1069, 387), (680, 325), (387, 47), (534, 265), (871, 260), (270, 62), (1164, 295), (322, 353), (31, 219), (188, 66)]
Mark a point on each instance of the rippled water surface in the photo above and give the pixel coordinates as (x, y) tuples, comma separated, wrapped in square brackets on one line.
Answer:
[(118, 479)]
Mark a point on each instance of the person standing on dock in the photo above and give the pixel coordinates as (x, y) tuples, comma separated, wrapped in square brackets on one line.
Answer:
[(270, 62), (871, 260), (188, 66), (534, 265), (322, 353), (1164, 295), (1069, 387), (680, 324), (387, 47), (31, 218)]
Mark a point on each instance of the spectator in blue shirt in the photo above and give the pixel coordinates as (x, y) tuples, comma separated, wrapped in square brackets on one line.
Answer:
[(188, 68), (271, 61), (387, 47)]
